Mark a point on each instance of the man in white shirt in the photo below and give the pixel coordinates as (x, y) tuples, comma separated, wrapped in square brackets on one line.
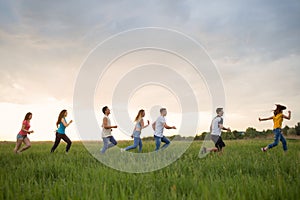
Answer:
[(216, 131), (158, 127), (108, 140)]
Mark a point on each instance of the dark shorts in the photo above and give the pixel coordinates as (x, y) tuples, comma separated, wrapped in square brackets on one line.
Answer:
[(218, 141)]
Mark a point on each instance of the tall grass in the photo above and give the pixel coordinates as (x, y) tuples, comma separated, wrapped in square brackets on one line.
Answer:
[(242, 172)]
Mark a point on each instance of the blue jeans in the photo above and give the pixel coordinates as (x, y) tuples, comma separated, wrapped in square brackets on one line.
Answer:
[(278, 136), (136, 142), (158, 140), (106, 144)]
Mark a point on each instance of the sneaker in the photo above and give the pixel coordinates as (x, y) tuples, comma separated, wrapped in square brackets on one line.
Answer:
[(123, 150), (263, 149)]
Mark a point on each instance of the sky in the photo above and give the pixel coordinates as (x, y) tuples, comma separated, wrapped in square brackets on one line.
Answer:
[(255, 46)]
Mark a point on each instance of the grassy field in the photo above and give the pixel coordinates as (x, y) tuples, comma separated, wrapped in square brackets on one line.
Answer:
[(243, 172)]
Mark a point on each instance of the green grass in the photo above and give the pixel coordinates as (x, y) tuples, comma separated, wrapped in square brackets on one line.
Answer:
[(242, 172)]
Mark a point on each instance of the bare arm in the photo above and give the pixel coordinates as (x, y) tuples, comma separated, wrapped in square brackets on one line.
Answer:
[(143, 124), (265, 119), (66, 124), (105, 124), (153, 125), (223, 128), (27, 131), (289, 116), (169, 127)]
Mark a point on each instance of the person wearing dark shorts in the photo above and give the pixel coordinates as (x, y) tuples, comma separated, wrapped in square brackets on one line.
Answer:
[(216, 131)]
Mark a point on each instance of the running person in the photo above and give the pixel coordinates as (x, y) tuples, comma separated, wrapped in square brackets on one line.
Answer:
[(277, 119), (22, 135), (216, 128), (106, 131), (158, 127), (62, 124), (137, 131)]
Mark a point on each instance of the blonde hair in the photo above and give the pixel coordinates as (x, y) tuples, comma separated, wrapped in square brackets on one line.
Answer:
[(139, 115)]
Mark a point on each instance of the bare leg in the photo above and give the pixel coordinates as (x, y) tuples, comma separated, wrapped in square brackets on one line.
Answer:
[(27, 144), (214, 149), (221, 151), (18, 145)]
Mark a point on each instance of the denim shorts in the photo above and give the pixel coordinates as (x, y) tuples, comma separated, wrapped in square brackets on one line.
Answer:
[(19, 136)]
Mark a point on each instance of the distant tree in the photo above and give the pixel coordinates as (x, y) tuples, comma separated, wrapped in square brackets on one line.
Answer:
[(269, 132), (292, 131), (228, 136), (201, 136), (251, 132), (285, 130), (297, 128), (238, 135), (264, 133)]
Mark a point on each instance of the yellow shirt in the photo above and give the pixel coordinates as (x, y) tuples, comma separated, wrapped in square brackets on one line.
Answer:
[(278, 119)]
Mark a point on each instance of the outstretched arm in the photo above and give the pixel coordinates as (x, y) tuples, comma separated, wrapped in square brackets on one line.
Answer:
[(169, 127), (223, 128), (265, 119), (289, 116)]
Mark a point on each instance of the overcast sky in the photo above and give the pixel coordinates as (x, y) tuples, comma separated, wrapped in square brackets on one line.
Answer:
[(254, 44)]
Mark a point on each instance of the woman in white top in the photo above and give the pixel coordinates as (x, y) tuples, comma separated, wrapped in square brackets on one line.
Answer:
[(137, 131)]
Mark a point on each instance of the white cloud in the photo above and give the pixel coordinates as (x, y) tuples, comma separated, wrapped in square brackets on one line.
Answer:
[(255, 45)]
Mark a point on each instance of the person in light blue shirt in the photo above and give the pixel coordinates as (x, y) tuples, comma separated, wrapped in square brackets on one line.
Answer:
[(137, 141)]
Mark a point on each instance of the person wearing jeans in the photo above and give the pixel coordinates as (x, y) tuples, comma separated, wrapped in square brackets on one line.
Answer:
[(277, 119), (108, 142), (137, 141), (158, 141), (158, 127), (278, 137), (106, 131)]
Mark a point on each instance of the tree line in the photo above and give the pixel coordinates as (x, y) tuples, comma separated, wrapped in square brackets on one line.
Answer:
[(250, 133), (253, 133)]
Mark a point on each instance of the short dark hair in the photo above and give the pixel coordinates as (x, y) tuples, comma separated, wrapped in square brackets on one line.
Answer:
[(104, 109), (162, 109), (219, 110)]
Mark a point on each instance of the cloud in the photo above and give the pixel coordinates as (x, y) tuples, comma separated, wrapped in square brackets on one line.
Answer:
[(255, 44)]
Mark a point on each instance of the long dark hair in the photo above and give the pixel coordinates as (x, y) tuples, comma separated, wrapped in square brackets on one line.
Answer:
[(277, 111), (60, 116), (27, 116)]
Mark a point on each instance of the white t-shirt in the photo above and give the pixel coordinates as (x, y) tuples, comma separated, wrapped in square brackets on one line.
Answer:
[(159, 126), (106, 132), (215, 128)]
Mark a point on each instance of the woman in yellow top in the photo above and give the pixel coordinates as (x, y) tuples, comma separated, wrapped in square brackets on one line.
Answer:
[(277, 119)]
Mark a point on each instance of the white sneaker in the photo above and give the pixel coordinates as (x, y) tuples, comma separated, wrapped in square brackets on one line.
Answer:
[(123, 150)]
